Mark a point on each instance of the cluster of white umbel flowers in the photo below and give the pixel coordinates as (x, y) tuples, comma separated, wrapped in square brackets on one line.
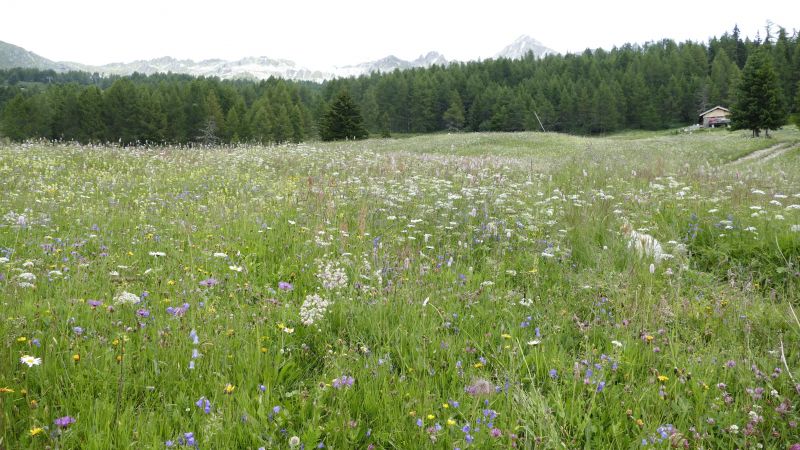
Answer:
[(332, 275), (313, 309)]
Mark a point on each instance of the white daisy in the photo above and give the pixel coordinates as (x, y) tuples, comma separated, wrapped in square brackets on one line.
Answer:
[(30, 360)]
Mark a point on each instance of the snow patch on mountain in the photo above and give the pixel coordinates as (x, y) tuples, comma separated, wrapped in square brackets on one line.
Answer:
[(257, 67), (522, 45)]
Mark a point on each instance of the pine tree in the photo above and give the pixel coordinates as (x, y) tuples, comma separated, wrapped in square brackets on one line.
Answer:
[(25, 117), (724, 76), (90, 115), (454, 116), (342, 120), (758, 104), (797, 107)]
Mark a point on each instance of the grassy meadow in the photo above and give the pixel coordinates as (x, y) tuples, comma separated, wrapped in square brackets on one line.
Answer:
[(445, 291)]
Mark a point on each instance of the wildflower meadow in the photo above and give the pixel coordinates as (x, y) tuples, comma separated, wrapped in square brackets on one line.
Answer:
[(444, 291)]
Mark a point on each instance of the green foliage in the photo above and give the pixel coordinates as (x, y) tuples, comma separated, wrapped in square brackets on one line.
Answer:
[(653, 86), (26, 117), (758, 103), (342, 120), (454, 116)]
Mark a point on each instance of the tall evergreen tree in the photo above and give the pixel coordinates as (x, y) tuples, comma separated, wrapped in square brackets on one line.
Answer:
[(90, 115), (454, 116), (758, 103), (26, 117), (342, 120)]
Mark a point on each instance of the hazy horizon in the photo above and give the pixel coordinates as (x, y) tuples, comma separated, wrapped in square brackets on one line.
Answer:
[(354, 31)]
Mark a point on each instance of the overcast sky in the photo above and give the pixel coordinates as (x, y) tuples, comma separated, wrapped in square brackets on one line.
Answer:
[(340, 32)]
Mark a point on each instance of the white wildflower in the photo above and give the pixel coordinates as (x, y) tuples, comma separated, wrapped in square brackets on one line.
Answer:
[(30, 361), (332, 275), (27, 276), (313, 309), (157, 254), (236, 268), (126, 298), (220, 255)]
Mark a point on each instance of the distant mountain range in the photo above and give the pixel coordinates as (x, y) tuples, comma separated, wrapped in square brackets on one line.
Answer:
[(257, 68)]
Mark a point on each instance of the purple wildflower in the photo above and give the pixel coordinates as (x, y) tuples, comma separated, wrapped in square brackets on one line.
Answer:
[(209, 282), (78, 330), (343, 381), (64, 422), (285, 286), (143, 313), (179, 311), (553, 373), (94, 303), (204, 403)]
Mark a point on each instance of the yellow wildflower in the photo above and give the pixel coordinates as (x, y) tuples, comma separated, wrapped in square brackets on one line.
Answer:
[(663, 378), (228, 389), (36, 430)]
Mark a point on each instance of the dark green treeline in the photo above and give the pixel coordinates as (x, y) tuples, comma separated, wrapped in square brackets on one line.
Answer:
[(654, 86)]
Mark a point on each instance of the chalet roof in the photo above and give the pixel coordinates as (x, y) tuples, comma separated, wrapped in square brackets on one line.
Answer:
[(714, 108)]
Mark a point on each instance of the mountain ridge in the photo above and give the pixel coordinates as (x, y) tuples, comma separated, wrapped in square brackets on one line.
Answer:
[(253, 67)]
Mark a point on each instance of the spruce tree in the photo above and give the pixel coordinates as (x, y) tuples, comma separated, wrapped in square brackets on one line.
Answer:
[(758, 104), (454, 116), (342, 120)]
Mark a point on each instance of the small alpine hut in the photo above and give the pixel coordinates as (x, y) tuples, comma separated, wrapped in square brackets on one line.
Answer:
[(715, 117)]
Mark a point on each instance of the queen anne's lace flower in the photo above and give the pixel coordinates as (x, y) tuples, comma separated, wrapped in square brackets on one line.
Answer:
[(313, 309), (126, 298), (332, 275)]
